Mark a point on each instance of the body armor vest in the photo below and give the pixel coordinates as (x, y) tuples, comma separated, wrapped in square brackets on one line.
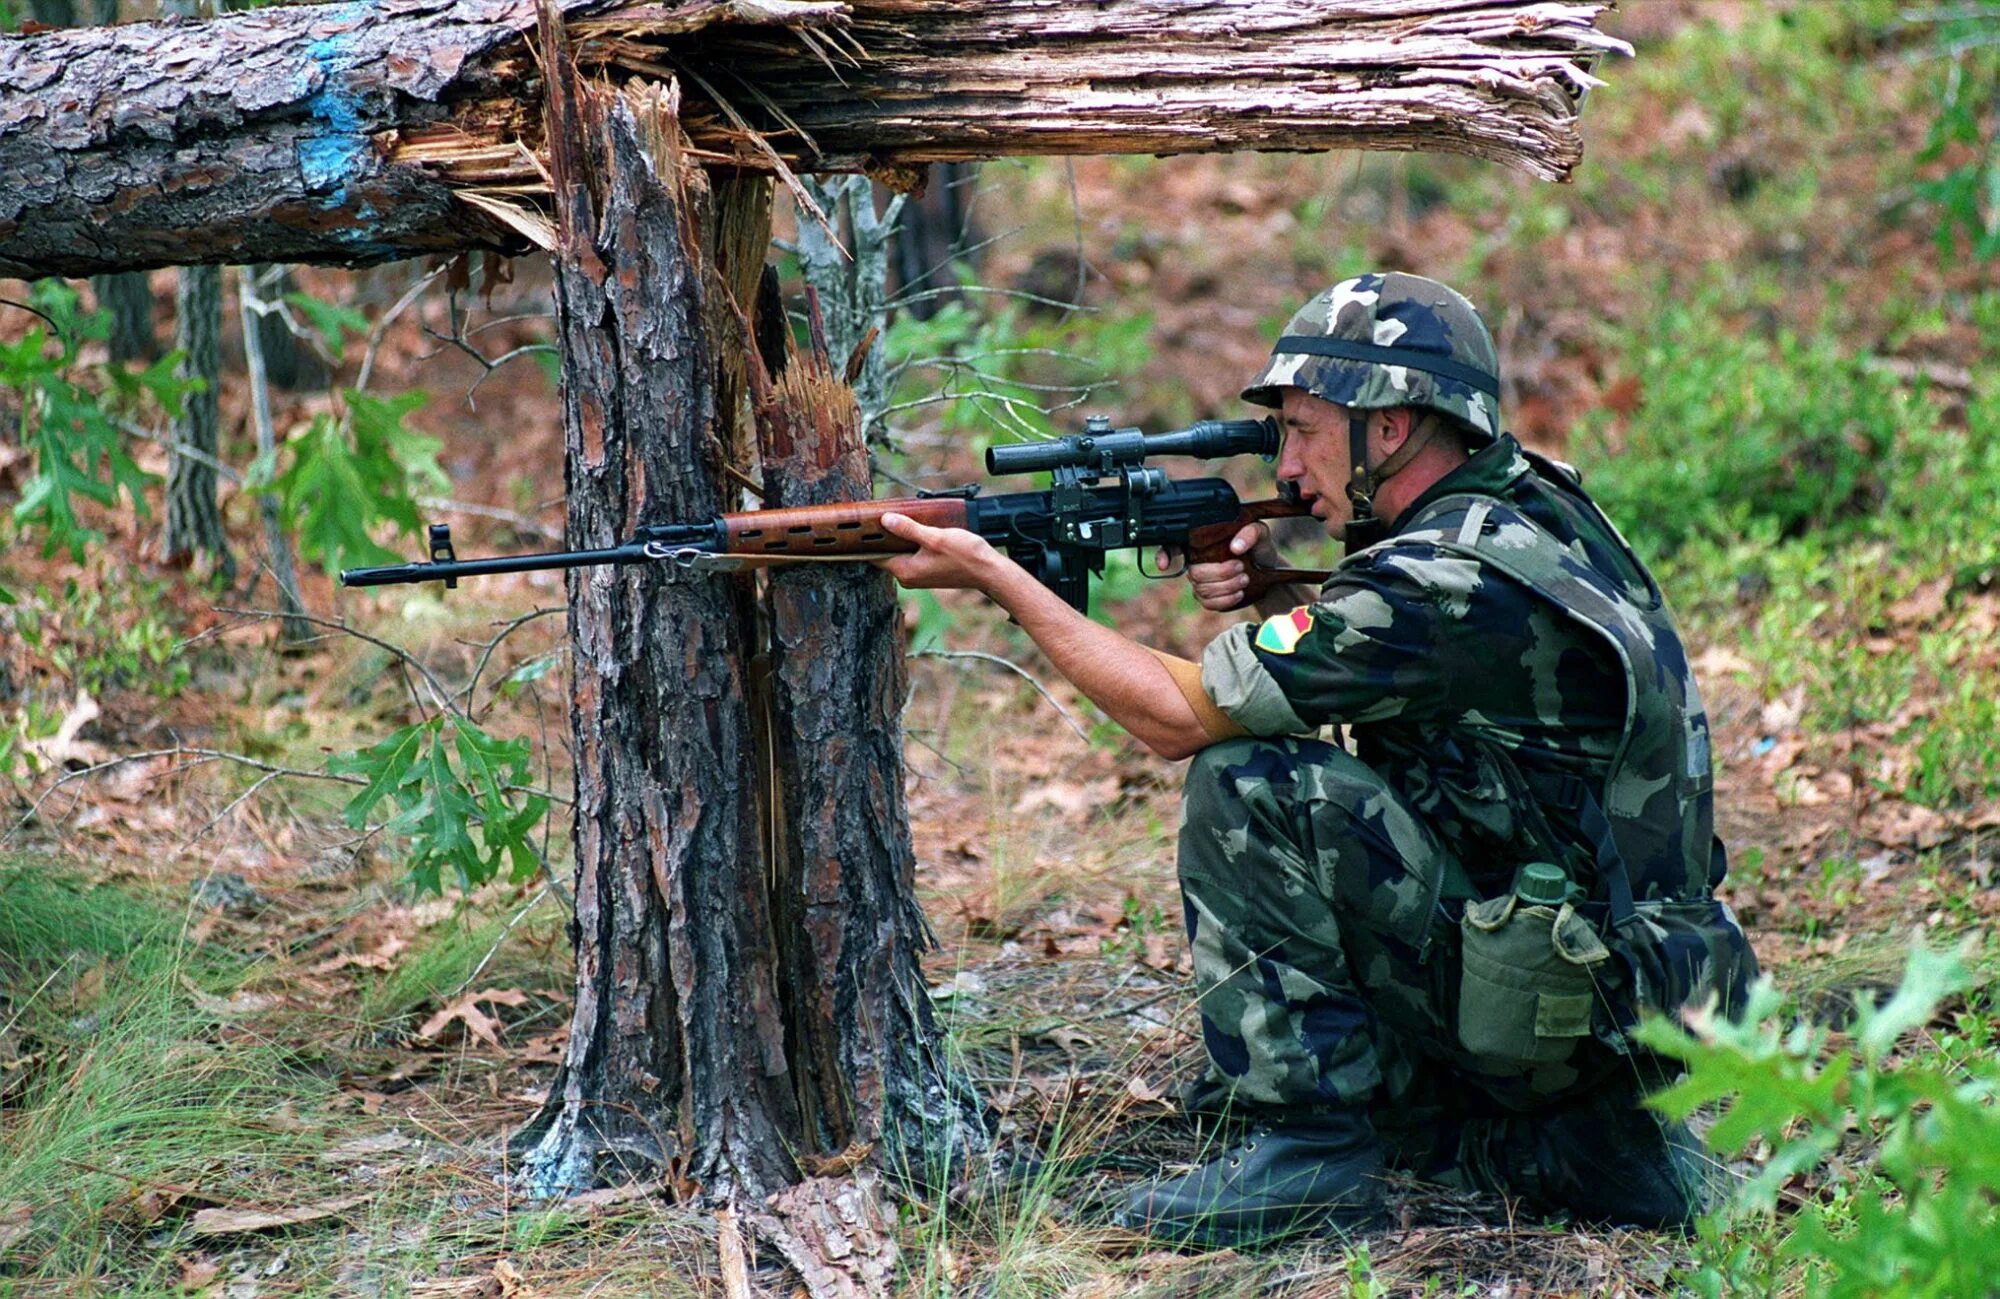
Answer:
[(1651, 819)]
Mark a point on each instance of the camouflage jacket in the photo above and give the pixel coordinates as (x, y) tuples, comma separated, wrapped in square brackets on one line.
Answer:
[(1509, 667)]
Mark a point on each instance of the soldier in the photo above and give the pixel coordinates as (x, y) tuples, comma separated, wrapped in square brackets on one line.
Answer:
[(1424, 952)]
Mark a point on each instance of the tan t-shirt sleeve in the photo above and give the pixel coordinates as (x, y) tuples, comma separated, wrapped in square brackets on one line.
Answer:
[(1215, 724)]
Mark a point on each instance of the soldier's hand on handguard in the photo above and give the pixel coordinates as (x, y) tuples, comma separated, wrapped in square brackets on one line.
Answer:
[(1219, 587), (945, 558)]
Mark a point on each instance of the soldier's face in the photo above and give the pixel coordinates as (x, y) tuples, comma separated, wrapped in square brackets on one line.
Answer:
[(1314, 456)]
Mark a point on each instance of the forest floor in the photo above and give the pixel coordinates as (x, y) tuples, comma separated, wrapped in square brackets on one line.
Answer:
[(240, 1056)]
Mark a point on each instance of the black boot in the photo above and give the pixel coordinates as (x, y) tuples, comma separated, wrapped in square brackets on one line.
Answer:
[(1603, 1159), (1609, 1160), (1298, 1174), (1209, 1106)]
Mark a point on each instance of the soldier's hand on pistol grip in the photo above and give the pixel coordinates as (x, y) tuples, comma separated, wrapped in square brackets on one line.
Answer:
[(1219, 586)]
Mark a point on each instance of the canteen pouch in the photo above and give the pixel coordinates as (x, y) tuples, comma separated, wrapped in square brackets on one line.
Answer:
[(1527, 982)]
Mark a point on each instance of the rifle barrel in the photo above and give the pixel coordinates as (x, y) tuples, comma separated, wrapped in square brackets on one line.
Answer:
[(631, 552)]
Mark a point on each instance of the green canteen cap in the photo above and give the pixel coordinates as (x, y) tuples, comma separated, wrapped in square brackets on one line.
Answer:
[(1542, 884)]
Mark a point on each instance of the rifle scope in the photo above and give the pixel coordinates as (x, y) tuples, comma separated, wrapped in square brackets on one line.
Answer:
[(1102, 448)]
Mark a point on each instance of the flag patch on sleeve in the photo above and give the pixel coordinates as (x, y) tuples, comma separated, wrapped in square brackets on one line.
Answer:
[(1281, 634)]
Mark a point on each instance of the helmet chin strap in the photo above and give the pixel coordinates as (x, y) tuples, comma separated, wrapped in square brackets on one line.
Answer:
[(1365, 527)]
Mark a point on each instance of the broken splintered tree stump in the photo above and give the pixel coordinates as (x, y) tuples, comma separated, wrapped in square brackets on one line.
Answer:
[(749, 1005), (365, 132)]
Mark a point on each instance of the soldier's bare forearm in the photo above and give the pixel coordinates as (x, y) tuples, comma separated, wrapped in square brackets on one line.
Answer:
[(1116, 673)]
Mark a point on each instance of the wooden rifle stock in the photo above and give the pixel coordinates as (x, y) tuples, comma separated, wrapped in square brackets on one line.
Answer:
[(843, 529)]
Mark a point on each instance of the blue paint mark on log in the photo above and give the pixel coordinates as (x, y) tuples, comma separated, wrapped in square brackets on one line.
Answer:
[(339, 151), (328, 159)]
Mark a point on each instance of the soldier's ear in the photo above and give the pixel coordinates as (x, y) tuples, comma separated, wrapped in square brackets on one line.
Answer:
[(1398, 422)]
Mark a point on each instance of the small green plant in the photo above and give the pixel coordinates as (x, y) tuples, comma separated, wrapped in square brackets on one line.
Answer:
[(70, 412), (33, 720), (470, 814), (1956, 757), (113, 631), (1967, 194), (1921, 1218), (347, 474), (1140, 920), (1745, 430)]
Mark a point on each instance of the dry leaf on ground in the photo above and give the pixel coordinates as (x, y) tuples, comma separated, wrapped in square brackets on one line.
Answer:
[(477, 1022), (243, 1003), (1922, 604), (612, 1196), (233, 1222), (368, 1147), (1719, 659), (15, 1222), (382, 957), (1905, 825), (196, 1273)]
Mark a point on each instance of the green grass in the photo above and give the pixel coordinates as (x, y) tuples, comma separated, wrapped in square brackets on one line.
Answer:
[(126, 1085), (433, 969), (50, 919)]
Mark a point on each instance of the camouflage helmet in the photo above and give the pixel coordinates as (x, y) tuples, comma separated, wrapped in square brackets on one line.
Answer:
[(1377, 341)]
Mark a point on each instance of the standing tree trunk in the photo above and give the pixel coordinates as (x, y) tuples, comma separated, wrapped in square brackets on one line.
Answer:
[(56, 13), (853, 288), (194, 520), (129, 299), (676, 1065), (288, 362), (865, 1059), (738, 1017)]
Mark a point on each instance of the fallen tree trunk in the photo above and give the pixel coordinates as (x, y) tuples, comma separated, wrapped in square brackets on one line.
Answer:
[(364, 132)]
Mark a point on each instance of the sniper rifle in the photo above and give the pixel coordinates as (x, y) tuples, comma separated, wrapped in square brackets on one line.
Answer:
[(1102, 497)]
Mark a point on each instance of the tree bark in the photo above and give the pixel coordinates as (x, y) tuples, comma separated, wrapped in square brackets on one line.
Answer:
[(382, 129), (194, 519), (851, 275), (129, 299), (676, 1066), (865, 1058)]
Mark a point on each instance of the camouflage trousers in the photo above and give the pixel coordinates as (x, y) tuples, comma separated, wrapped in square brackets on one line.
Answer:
[(1326, 959), (1325, 951)]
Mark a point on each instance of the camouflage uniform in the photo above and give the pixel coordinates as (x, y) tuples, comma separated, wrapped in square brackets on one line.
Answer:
[(1516, 692)]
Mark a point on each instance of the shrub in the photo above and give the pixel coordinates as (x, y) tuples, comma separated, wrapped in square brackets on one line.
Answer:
[(1733, 430), (1922, 1215)]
